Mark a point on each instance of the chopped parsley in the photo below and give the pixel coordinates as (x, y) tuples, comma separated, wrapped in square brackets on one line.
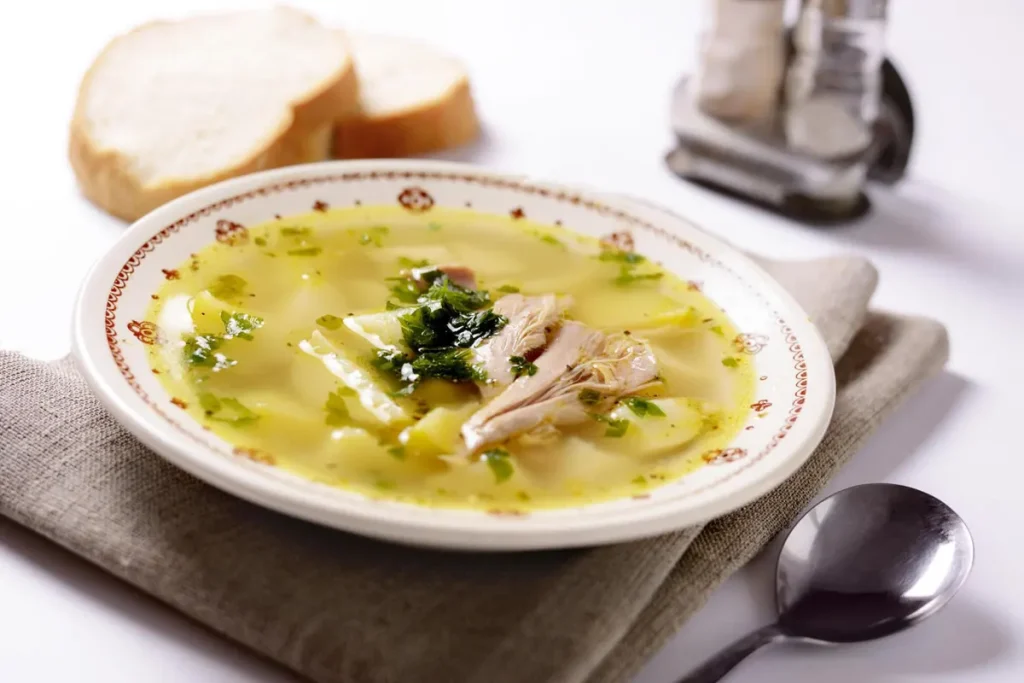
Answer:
[(508, 289), (643, 408), (439, 326), (305, 251), (374, 236), (458, 299), (520, 366), (628, 276), (406, 262), (296, 231), (405, 290), (226, 409), (260, 241), (500, 463), (615, 428), (397, 452), (240, 325), (620, 256), (717, 329), (209, 403), (337, 412), (390, 361), (552, 240), (730, 362), (640, 480), (200, 350), (451, 364), (589, 397), (469, 328), (228, 286), (329, 322)]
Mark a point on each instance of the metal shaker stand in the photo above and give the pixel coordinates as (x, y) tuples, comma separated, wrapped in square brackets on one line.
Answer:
[(758, 164)]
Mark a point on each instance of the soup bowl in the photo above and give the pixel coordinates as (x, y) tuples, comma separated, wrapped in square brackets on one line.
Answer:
[(795, 381)]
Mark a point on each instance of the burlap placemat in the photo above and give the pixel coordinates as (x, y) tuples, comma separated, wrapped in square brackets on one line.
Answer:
[(339, 608)]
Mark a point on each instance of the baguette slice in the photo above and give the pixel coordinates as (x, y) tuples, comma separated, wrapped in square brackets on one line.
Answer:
[(413, 100), (174, 106)]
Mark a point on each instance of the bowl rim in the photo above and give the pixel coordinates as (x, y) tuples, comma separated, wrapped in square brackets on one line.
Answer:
[(426, 530)]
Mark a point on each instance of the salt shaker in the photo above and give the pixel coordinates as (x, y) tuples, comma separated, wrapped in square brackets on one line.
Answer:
[(741, 61), (833, 84)]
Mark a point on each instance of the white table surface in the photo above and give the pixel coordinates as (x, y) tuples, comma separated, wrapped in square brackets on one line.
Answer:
[(578, 91)]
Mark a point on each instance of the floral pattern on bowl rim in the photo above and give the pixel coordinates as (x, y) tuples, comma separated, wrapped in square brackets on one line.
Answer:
[(795, 386)]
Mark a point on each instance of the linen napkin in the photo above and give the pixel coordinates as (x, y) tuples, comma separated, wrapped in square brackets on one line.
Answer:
[(339, 608)]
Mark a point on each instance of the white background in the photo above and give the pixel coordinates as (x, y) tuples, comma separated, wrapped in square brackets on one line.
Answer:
[(578, 91)]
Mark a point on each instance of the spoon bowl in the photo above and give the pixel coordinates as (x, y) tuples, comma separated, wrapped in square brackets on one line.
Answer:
[(869, 561), (864, 563)]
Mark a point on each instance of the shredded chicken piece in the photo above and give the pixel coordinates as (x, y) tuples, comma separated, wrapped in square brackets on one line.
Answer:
[(531, 321), (578, 358)]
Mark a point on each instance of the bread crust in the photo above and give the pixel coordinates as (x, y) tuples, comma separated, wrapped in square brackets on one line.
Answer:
[(106, 179), (445, 122)]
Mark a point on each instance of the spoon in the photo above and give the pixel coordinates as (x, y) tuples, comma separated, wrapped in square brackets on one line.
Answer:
[(864, 563)]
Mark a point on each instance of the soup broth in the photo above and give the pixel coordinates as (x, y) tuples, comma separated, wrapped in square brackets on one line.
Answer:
[(294, 345)]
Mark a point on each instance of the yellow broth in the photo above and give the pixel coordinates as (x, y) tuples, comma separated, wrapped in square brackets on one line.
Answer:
[(268, 391)]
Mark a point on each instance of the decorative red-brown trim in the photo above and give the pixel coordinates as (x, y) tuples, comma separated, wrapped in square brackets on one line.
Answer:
[(415, 199), (231, 233), (749, 342)]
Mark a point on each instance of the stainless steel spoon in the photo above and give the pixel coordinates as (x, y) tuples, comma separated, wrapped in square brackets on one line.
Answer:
[(864, 563)]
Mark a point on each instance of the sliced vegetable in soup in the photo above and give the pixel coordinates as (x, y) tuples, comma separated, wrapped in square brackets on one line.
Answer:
[(466, 361)]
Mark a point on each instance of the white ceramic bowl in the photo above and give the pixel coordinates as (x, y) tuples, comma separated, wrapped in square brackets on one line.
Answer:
[(795, 390)]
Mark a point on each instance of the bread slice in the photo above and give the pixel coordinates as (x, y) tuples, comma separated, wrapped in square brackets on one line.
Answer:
[(414, 99), (176, 105)]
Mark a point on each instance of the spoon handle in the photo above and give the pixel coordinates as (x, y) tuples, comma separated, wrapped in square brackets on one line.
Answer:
[(718, 666)]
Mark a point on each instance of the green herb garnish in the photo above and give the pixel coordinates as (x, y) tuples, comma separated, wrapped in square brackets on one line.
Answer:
[(226, 409), (200, 350), (451, 364), (627, 276), (397, 452), (643, 408), (500, 463), (374, 236), (552, 240), (717, 329), (433, 226), (390, 361), (329, 322), (439, 327), (240, 325), (228, 286), (730, 362), (469, 328), (640, 480), (296, 231), (405, 290), (621, 256), (337, 411), (458, 299), (508, 289), (260, 241), (305, 251), (406, 262), (589, 397), (209, 403), (520, 366), (615, 428)]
